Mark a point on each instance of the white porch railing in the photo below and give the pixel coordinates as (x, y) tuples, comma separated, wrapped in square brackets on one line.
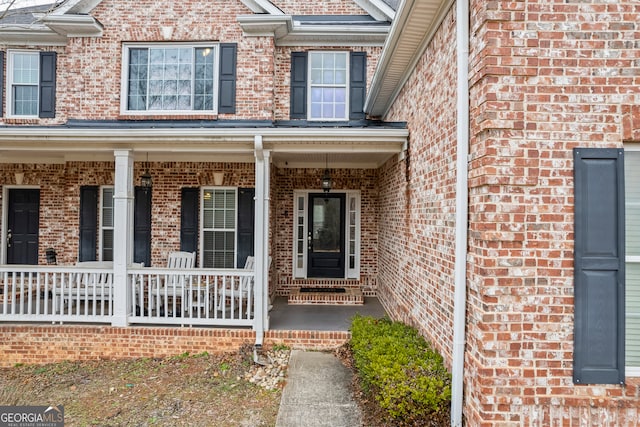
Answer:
[(157, 296), (192, 296)]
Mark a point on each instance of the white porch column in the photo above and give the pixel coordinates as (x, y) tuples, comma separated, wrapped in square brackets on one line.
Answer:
[(122, 235), (261, 240)]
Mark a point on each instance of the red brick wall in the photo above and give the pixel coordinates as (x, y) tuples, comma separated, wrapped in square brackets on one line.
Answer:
[(284, 182), (36, 344), (417, 199), (325, 7), (89, 69), (545, 77)]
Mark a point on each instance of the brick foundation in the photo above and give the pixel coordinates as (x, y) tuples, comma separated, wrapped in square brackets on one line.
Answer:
[(38, 344)]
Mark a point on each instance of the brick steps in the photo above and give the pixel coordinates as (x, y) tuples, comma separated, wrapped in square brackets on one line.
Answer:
[(351, 296)]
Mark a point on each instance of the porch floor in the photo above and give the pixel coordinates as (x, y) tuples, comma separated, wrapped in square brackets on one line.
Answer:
[(318, 317)]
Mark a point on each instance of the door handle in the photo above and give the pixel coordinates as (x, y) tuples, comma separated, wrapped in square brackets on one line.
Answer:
[(309, 242), (9, 237)]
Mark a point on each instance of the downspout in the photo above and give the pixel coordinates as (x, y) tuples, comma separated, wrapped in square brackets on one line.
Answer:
[(258, 245), (462, 209)]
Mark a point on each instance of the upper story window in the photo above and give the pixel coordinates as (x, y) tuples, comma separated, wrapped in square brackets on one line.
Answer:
[(183, 78), (328, 85), (24, 83), (31, 78), (328, 77)]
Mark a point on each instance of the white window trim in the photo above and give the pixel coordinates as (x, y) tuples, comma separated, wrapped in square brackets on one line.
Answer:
[(347, 86), (631, 371), (202, 227), (101, 226), (9, 85), (350, 273), (124, 82), (353, 273)]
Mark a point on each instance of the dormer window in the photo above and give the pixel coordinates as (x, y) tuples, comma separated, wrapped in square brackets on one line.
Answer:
[(179, 78)]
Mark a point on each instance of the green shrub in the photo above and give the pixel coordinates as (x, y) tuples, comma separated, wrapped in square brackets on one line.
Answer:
[(399, 368)]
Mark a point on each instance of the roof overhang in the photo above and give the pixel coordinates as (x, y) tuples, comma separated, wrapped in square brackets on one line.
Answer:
[(413, 28), (73, 25), (290, 147), (34, 35), (288, 31), (44, 25)]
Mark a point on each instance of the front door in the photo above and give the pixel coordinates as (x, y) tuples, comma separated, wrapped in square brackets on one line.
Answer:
[(325, 240), (22, 226)]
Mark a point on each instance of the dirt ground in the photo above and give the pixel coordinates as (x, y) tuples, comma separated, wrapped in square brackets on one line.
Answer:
[(185, 390)]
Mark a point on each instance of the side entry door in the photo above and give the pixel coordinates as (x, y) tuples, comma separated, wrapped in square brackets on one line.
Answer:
[(22, 226)]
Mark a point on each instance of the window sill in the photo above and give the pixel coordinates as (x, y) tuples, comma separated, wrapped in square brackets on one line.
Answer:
[(632, 372)]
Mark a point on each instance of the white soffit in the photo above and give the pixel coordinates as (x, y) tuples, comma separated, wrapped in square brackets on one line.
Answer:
[(413, 28), (288, 32), (357, 147)]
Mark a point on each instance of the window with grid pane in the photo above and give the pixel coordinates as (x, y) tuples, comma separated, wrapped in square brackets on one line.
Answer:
[(171, 78), (218, 228), (632, 250), (106, 224), (24, 76), (328, 85)]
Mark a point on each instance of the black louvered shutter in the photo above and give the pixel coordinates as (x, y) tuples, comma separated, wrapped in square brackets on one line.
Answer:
[(189, 220), (357, 85), (599, 266), (1, 82), (298, 85), (47, 107), (142, 226), (227, 88), (88, 223), (246, 216)]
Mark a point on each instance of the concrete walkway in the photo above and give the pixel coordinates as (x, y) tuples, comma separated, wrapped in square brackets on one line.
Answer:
[(317, 393)]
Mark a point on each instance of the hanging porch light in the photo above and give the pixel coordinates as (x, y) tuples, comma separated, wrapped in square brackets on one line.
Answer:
[(145, 179), (326, 178)]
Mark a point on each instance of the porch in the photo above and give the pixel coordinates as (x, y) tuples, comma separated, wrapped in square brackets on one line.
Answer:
[(83, 329), (158, 296)]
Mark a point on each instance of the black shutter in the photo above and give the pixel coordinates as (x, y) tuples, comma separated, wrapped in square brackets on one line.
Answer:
[(246, 216), (1, 81), (142, 226), (298, 85), (599, 266), (88, 223), (357, 85), (227, 87), (189, 219), (47, 84)]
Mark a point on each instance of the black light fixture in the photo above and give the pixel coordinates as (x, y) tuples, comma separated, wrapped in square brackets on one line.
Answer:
[(326, 178), (145, 180)]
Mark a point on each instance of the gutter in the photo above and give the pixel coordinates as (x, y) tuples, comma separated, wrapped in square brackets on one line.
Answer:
[(462, 209)]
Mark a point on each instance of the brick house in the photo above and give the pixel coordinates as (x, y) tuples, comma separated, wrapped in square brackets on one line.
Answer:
[(476, 171)]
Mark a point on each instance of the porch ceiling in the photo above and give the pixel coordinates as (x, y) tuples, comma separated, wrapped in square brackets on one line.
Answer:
[(290, 147)]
